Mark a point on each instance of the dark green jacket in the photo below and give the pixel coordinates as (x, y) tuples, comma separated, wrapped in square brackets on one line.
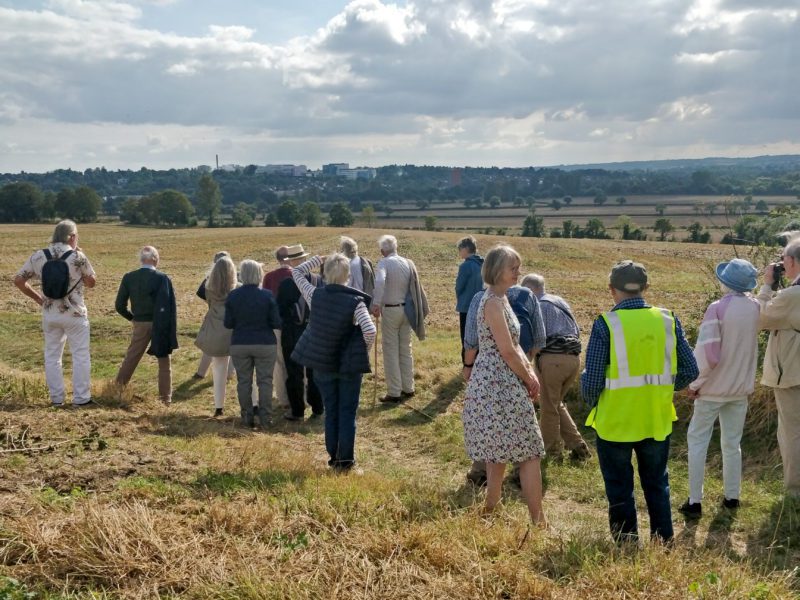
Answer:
[(139, 287)]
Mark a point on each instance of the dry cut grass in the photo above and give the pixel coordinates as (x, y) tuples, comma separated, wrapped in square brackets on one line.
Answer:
[(135, 500)]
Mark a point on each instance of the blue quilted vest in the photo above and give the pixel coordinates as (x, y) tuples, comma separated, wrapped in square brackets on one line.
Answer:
[(332, 343)]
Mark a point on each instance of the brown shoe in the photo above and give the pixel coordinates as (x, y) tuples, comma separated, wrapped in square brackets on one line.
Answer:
[(581, 453), (391, 399)]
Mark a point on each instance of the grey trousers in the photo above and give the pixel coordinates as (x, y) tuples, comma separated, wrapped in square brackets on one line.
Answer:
[(260, 358)]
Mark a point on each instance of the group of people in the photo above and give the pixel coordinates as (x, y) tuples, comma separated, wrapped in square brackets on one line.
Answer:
[(521, 344), (304, 331)]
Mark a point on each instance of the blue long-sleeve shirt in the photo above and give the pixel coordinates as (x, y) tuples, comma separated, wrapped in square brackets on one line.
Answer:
[(468, 282), (532, 331), (593, 378)]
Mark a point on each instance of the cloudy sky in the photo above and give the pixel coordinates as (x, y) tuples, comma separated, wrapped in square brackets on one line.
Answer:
[(171, 83)]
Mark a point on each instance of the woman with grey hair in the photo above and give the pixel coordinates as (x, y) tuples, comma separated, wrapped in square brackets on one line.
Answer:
[(252, 314), (362, 273), (213, 338), (499, 419), (336, 346)]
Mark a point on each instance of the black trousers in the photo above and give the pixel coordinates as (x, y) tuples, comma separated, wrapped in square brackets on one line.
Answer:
[(294, 379), (462, 323)]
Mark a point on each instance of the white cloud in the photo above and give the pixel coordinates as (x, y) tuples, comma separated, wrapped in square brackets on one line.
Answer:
[(456, 81)]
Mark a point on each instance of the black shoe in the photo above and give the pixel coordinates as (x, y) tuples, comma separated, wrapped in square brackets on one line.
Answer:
[(730, 503), (478, 479), (691, 510), (391, 399), (290, 417), (406, 394), (89, 404), (197, 376), (316, 415), (217, 412)]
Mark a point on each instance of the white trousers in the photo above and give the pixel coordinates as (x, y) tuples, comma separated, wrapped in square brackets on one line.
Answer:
[(219, 374), (731, 416), (398, 363), (205, 364), (58, 329)]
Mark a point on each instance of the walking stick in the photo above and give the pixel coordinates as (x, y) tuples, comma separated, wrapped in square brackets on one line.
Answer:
[(375, 375)]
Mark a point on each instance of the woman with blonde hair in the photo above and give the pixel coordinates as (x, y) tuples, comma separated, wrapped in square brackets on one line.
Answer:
[(205, 360), (499, 419), (213, 338)]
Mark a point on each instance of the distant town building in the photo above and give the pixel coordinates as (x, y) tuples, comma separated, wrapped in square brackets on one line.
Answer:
[(357, 173), (288, 170), (344, 170), (332, 170), (204, 169), (455, 177), (231, 168)]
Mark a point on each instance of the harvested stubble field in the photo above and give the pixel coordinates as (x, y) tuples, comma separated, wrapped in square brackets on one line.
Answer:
[(136, 500)]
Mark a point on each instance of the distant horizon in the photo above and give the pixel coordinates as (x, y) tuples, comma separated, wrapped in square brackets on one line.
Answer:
[(574, 166)]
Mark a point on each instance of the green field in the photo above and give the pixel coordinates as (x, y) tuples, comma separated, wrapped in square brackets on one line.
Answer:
[(137, 500)]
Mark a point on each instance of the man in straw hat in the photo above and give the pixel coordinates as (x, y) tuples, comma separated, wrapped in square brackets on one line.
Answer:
[(636, 358), (294, 313), (726, 353)]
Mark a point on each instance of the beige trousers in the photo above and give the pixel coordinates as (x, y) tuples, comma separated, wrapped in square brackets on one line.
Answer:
[(788, 403), (557, 373), (398, 363), (140, 339)]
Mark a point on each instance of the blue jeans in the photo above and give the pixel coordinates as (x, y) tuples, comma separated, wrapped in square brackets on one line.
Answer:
[(340, 392), (617, 470)]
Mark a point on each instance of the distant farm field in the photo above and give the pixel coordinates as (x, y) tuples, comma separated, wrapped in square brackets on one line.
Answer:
[(681, 210), (136, 500)]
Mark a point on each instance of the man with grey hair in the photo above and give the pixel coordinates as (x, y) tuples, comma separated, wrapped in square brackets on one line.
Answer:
[(152, 306), (64, 271), (558, 365), (780, 314), (392, 280), (362, 274)]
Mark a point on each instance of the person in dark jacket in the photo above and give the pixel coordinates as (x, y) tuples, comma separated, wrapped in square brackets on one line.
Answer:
[(252, 314), (468, 281), (336, 346), (147, 292), (294, 313)]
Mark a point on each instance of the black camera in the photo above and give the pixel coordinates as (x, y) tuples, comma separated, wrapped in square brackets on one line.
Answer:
[(777, 273)]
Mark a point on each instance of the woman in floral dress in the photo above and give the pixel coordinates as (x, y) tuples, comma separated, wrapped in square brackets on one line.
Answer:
[(499, 420)]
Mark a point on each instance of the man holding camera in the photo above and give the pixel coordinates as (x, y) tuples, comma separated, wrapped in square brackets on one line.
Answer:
[(780, 314)]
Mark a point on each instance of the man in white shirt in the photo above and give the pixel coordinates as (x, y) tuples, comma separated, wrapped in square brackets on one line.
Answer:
[(65, 318), (392, 278), (362, 274)]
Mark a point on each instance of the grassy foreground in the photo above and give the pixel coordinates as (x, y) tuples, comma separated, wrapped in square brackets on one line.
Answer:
[(136, 500)]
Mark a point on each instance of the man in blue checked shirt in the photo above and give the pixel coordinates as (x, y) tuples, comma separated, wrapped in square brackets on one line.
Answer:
[(636, 358), (532, 339)]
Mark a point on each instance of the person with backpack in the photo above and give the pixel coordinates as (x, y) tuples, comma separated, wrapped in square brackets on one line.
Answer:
[(558, 365), (294, 312), (64, 272)]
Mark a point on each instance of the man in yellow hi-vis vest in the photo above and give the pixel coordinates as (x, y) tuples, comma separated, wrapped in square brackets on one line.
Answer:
[(636, 358)]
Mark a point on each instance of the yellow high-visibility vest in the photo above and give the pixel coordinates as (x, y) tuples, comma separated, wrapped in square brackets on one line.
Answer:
[(636, 403)]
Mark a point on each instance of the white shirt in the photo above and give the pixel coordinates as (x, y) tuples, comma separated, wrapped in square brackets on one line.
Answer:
[(79, 266), (356, 277), (392, 278)]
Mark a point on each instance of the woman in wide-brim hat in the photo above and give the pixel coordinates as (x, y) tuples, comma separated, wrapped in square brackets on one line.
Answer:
[(726, 353)]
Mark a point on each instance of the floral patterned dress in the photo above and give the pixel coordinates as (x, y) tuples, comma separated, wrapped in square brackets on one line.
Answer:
[(500, 423)]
